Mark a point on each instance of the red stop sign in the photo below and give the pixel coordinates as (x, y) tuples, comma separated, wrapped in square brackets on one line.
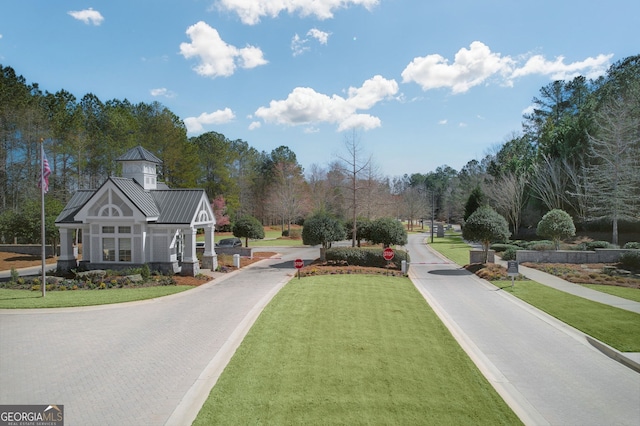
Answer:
[(388, 253), (298, 263)]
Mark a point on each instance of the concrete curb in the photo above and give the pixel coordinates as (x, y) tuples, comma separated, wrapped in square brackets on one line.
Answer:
[(192, 402), (614, 354)]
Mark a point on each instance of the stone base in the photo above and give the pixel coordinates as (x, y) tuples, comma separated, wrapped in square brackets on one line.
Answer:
[(477, 256), (190, 269), (67, 265), (210, 262)]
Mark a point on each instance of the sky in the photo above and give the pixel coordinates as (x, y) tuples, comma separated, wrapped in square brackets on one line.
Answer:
[(418, 84)]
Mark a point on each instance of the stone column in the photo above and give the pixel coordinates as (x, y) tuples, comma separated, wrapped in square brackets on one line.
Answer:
[(67, 260), (209, 258), (190, 264)]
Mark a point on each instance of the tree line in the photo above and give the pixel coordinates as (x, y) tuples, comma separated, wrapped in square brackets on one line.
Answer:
[(578, 150)]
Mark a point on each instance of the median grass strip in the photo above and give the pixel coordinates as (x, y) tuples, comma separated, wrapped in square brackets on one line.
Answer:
[(351, 349), (615, 327), (453, 247), (25, 299)]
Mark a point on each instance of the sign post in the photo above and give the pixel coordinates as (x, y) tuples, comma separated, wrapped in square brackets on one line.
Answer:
[(299, 264), (388, 255), (512, 270)]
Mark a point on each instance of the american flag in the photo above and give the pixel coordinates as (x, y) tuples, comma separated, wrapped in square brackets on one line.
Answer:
[(43, 182)]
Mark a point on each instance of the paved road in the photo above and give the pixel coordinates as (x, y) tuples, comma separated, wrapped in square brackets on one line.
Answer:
[(144, 363), (544, 369)]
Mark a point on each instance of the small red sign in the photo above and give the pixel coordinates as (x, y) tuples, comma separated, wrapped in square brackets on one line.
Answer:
[(388, 253), (298, 263)]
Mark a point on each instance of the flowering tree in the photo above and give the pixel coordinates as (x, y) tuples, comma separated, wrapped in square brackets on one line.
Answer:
[(219, 207)]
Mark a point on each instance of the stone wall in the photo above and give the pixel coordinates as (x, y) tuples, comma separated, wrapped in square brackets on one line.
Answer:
[(30, 249)]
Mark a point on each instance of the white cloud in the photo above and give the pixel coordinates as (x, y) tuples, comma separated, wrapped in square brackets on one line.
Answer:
[(478, 65), (299, 45), (217, 58), (305, 106), (250, 12), (255, 125), (162, 91), (558, 70), (321, 36), (471, 67), (196, 124), (443, 122), (88, 16)]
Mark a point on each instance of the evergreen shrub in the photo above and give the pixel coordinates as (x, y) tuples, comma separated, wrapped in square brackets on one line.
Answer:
[(630, 259), (366, 257)]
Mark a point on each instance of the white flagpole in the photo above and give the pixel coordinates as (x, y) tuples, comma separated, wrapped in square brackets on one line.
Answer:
[(42, 228)]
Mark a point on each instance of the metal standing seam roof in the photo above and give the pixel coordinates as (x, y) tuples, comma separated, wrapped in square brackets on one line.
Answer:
[(77, 201), (177, 205), (137, 195), (139, 154), (171, 206)]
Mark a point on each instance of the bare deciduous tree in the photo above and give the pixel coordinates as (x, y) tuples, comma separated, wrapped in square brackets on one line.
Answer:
[(550, 182), (354, 166), (507, 195), (614, 170)]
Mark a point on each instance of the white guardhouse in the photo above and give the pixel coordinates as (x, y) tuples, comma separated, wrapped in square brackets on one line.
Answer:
[(134, 220)]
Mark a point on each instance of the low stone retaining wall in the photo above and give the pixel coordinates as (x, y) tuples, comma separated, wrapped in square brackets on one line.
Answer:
[(30, 249), (570, 256), (477, 256)]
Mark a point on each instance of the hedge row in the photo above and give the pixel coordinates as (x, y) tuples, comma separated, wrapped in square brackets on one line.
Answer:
[(368, 257)]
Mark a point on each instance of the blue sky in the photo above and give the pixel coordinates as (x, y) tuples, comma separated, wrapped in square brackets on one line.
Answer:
[(421, 83)]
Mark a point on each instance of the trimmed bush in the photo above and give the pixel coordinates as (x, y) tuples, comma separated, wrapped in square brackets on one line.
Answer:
[(541, 245), (598, 244), (632, 245), (630, 259), (509, 253), (500, 247), (367, 257)]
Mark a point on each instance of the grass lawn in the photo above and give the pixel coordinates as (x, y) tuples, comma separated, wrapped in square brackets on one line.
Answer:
[(624, 292), (351, 350), (18, 299), (452, 246), (615, 327)]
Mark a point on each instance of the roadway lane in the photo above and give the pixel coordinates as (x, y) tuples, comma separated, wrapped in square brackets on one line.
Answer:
[(544, 369), (135, 364)]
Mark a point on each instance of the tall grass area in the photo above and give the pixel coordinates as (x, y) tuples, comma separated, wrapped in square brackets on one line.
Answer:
[(615, 327), (352, 350), (25, 299)]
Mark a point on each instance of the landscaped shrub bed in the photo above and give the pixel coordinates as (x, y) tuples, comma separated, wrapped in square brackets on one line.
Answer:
[(91, 280), (367, 257), (589, 274)]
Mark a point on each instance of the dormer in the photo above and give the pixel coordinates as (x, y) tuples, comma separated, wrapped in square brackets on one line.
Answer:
[(140, 165)]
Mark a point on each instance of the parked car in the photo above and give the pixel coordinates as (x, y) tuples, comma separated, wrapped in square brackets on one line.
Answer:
[(229, 242)]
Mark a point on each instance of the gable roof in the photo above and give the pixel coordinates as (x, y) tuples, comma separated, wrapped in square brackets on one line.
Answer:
[(163, 206), (137, 195), (74, 205), (139, 154), (177, 205)]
